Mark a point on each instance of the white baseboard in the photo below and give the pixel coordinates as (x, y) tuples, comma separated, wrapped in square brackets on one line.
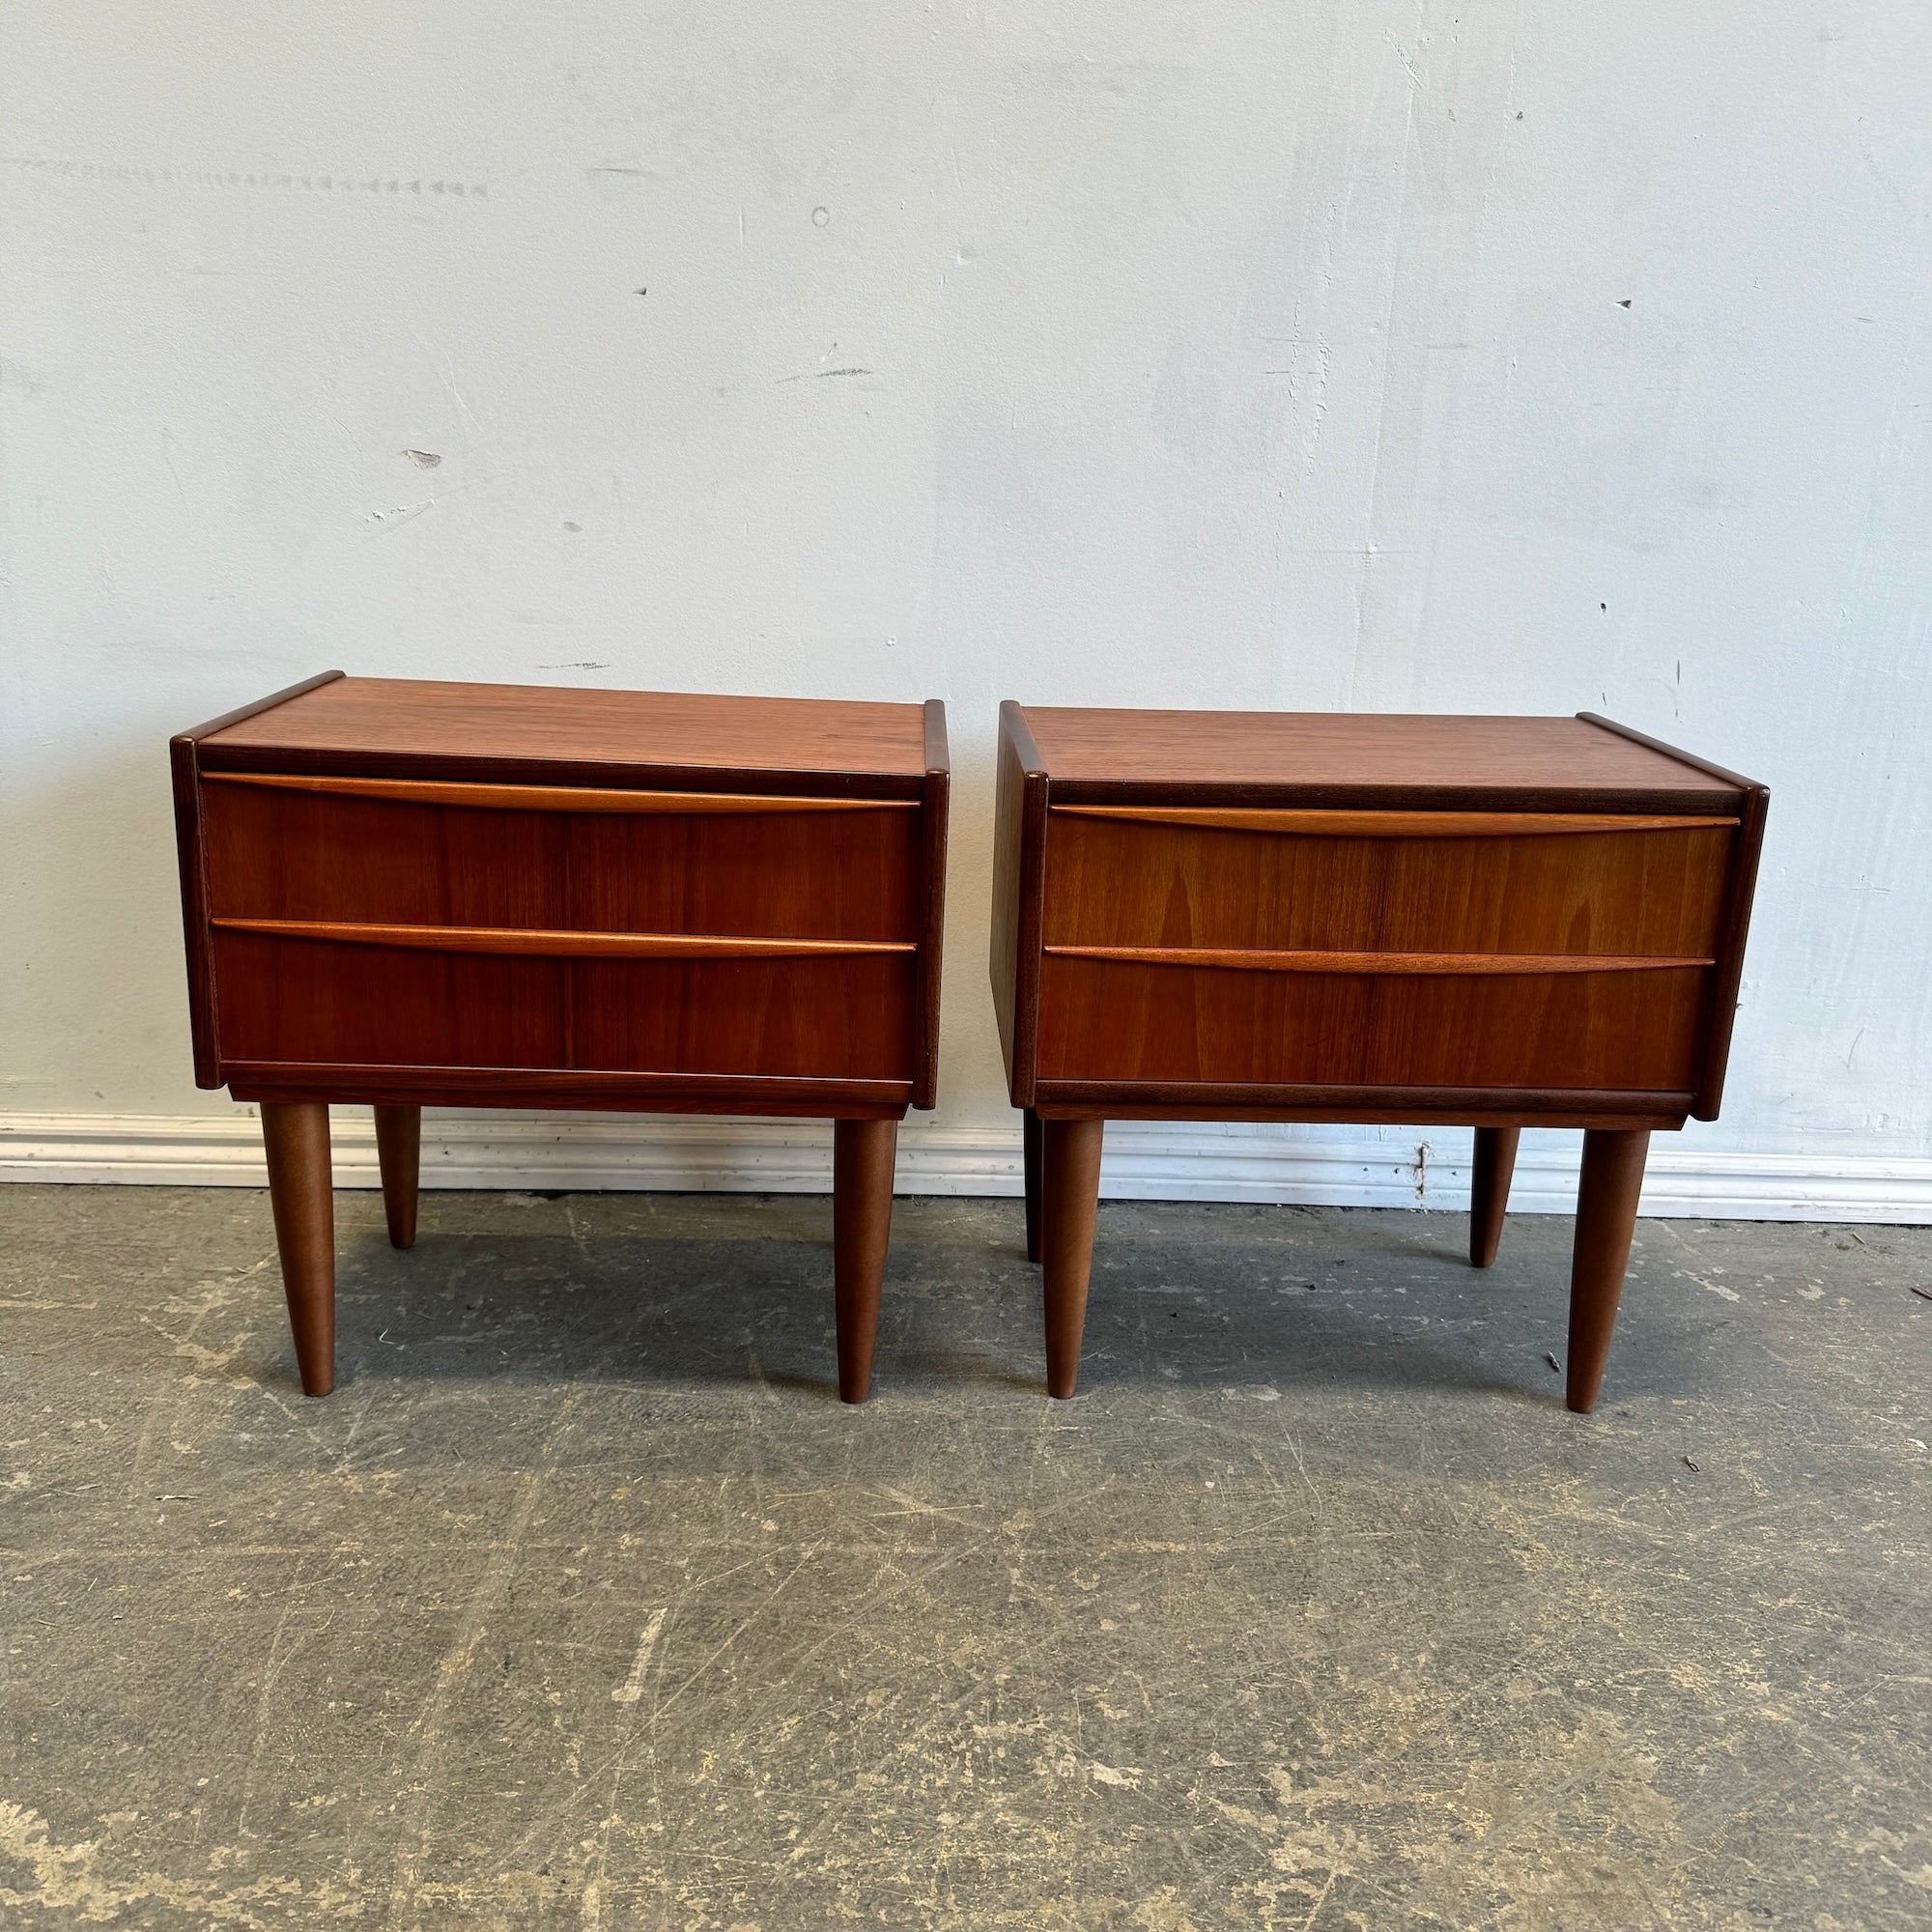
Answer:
[(1312, 1166)]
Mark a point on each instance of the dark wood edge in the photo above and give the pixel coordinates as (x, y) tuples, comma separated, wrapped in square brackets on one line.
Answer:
[(185, 760), (1683, 758), (1658, 801), (349, 763), (1361, 1117), (1721, 1000), (346, 1084), (1013, 724), (203, 1025), (569, 1104), (1030, 935), (1722, 1010), (195, 733), (938, 755), (1023, 1050), (1158, 1098), (931, 949)]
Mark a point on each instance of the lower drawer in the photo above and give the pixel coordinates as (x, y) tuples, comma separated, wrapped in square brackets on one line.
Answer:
[(316, 1002), (1115, 1020)]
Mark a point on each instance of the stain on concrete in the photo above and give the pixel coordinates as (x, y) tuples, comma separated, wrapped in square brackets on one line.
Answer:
[(583, 1603)]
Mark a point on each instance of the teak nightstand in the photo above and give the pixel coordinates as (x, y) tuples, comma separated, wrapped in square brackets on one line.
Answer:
[(1491, 922), (489, 895)]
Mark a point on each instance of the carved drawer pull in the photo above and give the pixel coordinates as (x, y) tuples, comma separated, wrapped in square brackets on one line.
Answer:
[(556, 944), (555, 798), (1472, 964), (1393, 824)]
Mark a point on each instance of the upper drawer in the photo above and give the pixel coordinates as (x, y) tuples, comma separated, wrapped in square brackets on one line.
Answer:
[(1385, 882), (402, 852)]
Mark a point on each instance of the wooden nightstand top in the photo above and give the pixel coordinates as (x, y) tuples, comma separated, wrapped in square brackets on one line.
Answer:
[(1314, 757), (389, 726)]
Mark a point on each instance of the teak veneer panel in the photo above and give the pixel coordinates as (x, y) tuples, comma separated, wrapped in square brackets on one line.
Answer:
[(1019, 862), (1125, 1022), (1442, 762), (297, 854), (184, 769), (1122, 882), (313, 1001), (398, 726)]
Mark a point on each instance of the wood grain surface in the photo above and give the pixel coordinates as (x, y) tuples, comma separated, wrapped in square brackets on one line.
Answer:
[(863, 1154), (1440, 760), (1069, 1193), (360, 724), (1607, 1202), (935, 802), (291, 999), (438, 879), (1113, 882), (1120, 1021), (185, 768), (295, 854), (302, 1197), (1489, 1192), (399, 1158), (1019, 856)]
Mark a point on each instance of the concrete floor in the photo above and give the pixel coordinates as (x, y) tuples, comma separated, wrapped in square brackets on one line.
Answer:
[(582, 1602)]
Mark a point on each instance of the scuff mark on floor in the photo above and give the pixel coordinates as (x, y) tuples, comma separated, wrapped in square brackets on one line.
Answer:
[(1317, 1611)]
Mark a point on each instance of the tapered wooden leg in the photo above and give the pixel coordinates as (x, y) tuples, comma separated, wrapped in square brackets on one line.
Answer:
[(1030, 1139), (399, 1151), (861, 1224), (1605, 1220), (1490, 1193), (295, 1134), (1070, 1195)]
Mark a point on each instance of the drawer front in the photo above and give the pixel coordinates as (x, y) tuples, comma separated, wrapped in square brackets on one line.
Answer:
[(401, 853), (321, 1002), (1499, 884), (1379, 949), (1106, 1019)]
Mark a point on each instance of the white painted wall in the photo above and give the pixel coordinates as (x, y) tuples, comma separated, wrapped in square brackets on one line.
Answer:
[(1512, 356)]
